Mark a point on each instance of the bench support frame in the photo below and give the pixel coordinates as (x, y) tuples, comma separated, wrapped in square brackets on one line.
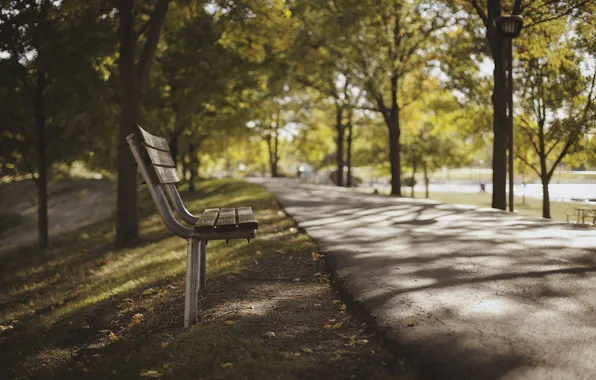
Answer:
[(197, 241)]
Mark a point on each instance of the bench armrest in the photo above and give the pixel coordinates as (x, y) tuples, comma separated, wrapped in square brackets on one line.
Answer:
[(181, 210)]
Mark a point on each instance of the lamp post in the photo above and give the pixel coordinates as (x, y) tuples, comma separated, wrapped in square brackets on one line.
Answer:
[(509, 27)]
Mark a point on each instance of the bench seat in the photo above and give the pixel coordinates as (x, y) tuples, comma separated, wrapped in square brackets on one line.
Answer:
[(226, 220)]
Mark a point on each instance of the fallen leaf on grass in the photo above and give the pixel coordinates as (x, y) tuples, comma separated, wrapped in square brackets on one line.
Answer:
[(112, 337), (137, 318), (164, 344), (362, 341), (297, 279), (269, 334), (343, 307), (226, 365), (337, 325), (411, 324), (151, 373), (229, 322), (316, 256), (250, 307), (327, 326), (149, 291), (306, 350), (335, 302)]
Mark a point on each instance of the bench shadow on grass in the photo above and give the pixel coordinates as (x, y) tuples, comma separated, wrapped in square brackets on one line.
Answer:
[(72, 306), (413, 258)]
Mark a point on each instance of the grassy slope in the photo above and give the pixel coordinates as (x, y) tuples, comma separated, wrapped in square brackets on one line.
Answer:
[(85, 309)]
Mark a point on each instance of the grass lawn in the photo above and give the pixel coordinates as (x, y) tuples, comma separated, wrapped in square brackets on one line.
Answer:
[(84, 309), (532, 207)]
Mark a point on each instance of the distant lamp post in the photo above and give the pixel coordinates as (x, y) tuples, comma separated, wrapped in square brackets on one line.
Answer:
[(510, 27)]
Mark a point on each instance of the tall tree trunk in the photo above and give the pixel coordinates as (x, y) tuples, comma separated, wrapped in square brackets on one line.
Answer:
[(127, 224), (395, 156), (426, 180), (349, 156), (339, 144), (192, 155), (133, 81), (42, 165), (545, 197), (499, 178)]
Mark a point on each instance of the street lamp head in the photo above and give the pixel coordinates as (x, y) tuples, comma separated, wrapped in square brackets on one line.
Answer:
[(510, 26)]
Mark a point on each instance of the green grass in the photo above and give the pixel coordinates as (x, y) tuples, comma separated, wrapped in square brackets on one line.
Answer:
[(531, 207), (84, 309)]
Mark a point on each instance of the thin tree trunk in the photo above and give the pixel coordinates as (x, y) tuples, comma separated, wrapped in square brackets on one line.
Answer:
[(426, 180), (271, 156), (500, 135), (395, 157), (413, 183), (192, 166), (339, 143), (545, 197), (42, 165), (349, 156), (276, 151)]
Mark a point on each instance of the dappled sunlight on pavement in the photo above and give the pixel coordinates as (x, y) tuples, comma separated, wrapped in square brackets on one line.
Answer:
[(471, 293)]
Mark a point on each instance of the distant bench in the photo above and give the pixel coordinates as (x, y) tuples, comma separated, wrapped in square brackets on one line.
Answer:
[(157, 167)]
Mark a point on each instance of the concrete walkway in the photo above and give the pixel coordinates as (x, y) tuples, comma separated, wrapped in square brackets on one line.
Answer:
[(468, 293)]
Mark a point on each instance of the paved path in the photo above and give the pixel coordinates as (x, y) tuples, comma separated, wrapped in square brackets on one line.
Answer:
[(490, 295)]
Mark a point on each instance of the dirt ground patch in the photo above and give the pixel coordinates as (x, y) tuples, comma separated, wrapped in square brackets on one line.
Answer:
[(72, 203), (269, 310)]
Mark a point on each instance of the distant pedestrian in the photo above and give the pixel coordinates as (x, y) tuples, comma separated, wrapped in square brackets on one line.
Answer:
[(482, 187)]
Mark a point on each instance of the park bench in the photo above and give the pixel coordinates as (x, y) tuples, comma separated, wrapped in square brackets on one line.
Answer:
[(152, 155)]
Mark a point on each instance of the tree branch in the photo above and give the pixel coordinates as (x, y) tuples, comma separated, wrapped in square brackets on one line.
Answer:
[(156, 22)]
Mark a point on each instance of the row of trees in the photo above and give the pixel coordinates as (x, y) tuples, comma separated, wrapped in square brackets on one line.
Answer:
[(394, 84)]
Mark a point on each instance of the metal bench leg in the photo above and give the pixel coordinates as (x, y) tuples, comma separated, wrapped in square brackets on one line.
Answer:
[(193, 259), (203, 253)]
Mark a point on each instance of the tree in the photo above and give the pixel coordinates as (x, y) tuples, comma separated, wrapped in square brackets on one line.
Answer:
[(47, 85), (394, 40), (134, 75), (534, 12), (558, 100)]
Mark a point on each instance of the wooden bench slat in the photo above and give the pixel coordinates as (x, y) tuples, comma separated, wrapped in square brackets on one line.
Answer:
[(152, 141), (246, 218), (227, 219), (160, 158), (207, 220), (166, 175)]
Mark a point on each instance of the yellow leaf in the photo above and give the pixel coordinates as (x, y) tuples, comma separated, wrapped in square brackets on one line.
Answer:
[(112, 337), (149, 291), (337, 325), (151, 373), (164, 344), (362, 341), (227, 365), (327, 326), (411, 324), (343, 307), (137, 318), (335, 302), (229, 322), (250, 307), (306, 350)]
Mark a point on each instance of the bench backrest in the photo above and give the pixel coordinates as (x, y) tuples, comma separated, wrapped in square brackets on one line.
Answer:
[(158, 151), (156, 165)]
